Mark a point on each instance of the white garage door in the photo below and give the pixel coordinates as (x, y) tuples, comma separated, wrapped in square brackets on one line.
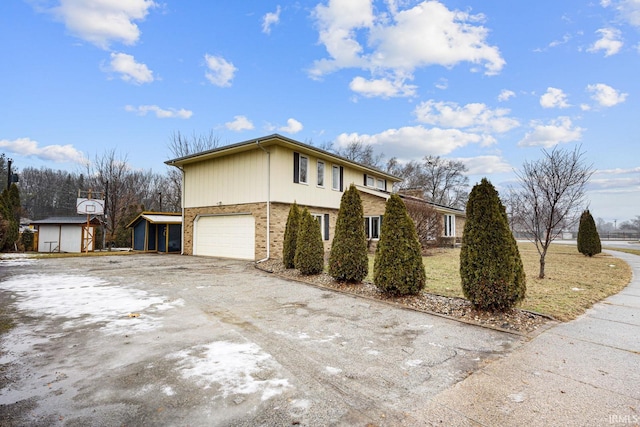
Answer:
[(225, 236)]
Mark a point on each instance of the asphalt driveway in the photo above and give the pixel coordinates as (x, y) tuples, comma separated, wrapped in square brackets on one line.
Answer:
[(175, 340)]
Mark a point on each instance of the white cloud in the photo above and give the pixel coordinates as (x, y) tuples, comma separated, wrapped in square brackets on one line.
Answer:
[(505, 95), (293, 126), (415, 142), (548, 135), (554, 98), (221, 72), (629, 10), (129, 69), (102, 22), (30, 148), (474, 116), (270, 19), (485, 165), (160, 113), (609, 42), (605, 95), (399, 41), (239, 124), (383, 88)]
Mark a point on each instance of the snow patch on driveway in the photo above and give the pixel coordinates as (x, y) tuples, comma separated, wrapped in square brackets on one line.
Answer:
[(87, 300), (237, 368)]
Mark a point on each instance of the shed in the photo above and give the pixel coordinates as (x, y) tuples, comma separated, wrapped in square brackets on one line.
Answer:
[(67, 234), (157, 232)]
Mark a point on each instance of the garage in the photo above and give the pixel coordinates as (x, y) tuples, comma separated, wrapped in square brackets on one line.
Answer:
[(225, 236)]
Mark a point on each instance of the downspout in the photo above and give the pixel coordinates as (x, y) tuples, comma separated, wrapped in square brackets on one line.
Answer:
[(182, 210), (268, 203)]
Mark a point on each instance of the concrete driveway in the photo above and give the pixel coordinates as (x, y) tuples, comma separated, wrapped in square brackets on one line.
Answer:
[(185, 341)]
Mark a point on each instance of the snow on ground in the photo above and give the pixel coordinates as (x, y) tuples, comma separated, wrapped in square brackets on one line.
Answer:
[(235, 367), (86, 300), (15, 260)]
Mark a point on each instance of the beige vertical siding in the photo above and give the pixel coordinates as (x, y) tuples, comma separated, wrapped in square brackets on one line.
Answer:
[(228, 180)]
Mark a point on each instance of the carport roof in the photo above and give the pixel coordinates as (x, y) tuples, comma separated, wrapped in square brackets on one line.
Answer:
[(159, 218)]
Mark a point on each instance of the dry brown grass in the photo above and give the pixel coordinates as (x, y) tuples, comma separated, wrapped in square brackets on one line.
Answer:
[(573, 282)]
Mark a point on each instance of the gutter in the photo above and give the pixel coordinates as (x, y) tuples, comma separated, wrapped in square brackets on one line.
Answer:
[(268, 203)]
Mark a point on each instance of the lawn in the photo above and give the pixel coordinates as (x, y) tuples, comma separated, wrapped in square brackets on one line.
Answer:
[(573, 282)]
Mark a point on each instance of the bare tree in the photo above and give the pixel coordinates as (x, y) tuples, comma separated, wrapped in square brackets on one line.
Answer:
[(181, 145), (633, 224), (551, 197), (359, 151), (427, 220), (442, 181), (108, 174)]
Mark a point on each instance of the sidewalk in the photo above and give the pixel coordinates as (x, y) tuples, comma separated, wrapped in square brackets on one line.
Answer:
[(582, 373)]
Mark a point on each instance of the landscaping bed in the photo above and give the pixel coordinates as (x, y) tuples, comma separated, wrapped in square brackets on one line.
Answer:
[(516, 320)]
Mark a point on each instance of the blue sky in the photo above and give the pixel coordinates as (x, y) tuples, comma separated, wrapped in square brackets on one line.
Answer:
[(491, 83)]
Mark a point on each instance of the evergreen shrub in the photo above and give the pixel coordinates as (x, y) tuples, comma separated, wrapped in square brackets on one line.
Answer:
[(291, 236), (398, 267), (491, 269), (588, 238), (348, 260), (309, 257)]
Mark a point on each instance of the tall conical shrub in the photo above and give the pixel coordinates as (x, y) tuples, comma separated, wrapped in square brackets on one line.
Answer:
[(398, 267), (309, 257), (291, 236), (490, 265), (348, 260), (588, 238)]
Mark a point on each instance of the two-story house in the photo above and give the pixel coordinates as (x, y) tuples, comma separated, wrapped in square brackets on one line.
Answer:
[(236, 198)]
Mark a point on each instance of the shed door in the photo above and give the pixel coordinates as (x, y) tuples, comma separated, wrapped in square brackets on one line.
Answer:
[(225, 236)]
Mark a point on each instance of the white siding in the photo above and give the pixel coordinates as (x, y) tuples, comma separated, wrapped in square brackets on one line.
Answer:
[(228, 180), (60, 238)]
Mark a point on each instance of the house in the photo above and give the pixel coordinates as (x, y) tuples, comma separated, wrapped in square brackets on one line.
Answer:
[(67, 234), (157, 232), (236, 198), (453, 219)]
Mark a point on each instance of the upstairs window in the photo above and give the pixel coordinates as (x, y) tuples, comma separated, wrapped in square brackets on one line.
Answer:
[(300, 168), (372, 181), (320, 174), (337, 173)]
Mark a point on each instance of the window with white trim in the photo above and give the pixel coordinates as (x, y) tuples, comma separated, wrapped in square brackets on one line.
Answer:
[(449, 225), (320, 173), (323, 222), (374, 182), (304, 168), (336, 177), (372, 227)]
